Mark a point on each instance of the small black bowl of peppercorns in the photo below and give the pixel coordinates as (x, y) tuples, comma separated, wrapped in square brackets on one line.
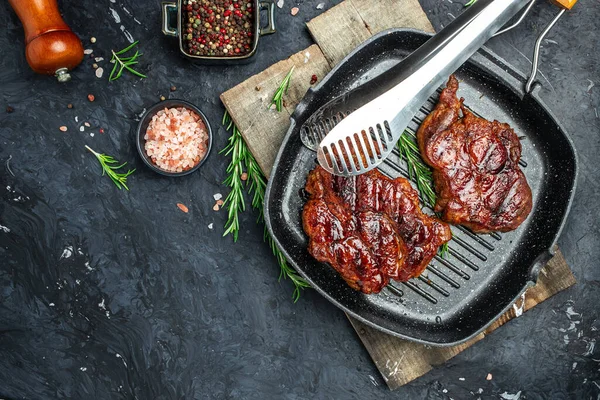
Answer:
[(217, 31)]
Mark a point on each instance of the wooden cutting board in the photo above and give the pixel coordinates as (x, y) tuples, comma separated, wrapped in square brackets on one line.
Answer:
[(337, 32)]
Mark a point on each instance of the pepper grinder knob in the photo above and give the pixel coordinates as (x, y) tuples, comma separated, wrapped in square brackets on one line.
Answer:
[(52, 48)]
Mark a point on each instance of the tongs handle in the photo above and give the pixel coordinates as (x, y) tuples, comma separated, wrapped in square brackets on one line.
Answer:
[(412, 92), (565, 5)]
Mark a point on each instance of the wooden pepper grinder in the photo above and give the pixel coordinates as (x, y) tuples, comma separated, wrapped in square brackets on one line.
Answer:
[(52, 48)]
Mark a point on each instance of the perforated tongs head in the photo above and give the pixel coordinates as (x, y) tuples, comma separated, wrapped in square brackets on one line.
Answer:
[(354, 143)]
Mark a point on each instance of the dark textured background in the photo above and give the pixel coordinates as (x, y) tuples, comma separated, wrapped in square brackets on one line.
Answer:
[(114, 294)]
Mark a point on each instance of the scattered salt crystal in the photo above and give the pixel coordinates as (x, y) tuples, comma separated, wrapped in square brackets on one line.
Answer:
[(280, 4), (92, 134), (217, 196), (210, 226), (306, 57), (461, 379), (216, 207), (87, 124), (81, 128), (83, 369), (51, 304), (63, 128), (591, 85), (76, 118), (99, 72), (445, 390), (320, 6), (98, 59), (488, 377), (220, 202), (294, 11), (88, 51)]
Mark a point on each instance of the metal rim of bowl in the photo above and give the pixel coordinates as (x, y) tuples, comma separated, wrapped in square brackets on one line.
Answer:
[(141, 131)]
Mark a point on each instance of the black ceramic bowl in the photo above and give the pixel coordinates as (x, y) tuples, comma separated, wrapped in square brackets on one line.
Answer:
[(143, 126), (173, 8)]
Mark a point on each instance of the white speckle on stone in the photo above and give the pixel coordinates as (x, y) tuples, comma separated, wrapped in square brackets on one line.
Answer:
[(83, 369), (51, 304), (591, 85), (115, 15), (127, 34), (102, 305), (67, 252), (508, 396), (81, 128), (461, 379), (87, 265), (92, 134), (217, 196), (77, 281), (107, 314), (280, 3), (99, 72), (122, 359), (4, 229), (574, 365), (373, 381), (88, 51), (210, 226), (480, 390), (320, 6), (445, 391)]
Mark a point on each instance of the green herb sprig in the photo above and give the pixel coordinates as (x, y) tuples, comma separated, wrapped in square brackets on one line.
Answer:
[(281, 90), (234, 202), (419, 173), (256, 184), (124, 63), (109, 169), (470, 3)]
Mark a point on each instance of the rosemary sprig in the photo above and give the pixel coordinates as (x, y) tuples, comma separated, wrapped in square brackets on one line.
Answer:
[(234, 202), (124, 63), (470, 3), (281, 90), (420, 173), (111, 170), (256, 184)]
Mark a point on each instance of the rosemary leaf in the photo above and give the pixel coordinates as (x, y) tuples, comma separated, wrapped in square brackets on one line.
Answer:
[(470, 3), (124, 63), (126, 49), (119, 179), (281, 90)]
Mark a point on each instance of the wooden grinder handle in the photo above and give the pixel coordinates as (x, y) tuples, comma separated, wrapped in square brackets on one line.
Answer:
[(52, 48)]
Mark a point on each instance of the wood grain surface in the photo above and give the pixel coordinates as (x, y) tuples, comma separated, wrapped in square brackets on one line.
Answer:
[(337, 32)]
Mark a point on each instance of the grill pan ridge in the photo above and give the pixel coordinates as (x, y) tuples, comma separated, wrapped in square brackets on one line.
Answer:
[(458, 296)]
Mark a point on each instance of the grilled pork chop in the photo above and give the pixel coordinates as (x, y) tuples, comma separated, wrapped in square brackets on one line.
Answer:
[(475, 167), (370, 228)]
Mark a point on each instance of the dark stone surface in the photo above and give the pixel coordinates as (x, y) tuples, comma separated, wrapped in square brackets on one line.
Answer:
[(114, 294)]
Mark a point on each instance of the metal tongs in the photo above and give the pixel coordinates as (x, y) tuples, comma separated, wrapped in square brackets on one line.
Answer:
[(356, 132)]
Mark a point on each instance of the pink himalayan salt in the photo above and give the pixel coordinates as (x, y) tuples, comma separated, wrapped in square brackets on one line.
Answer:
[(176, 139)]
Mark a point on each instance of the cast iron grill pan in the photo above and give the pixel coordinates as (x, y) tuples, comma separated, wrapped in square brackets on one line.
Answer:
[(483, 275)]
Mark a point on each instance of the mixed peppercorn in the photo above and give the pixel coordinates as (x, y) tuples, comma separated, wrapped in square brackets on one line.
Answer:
[(222, 28)]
